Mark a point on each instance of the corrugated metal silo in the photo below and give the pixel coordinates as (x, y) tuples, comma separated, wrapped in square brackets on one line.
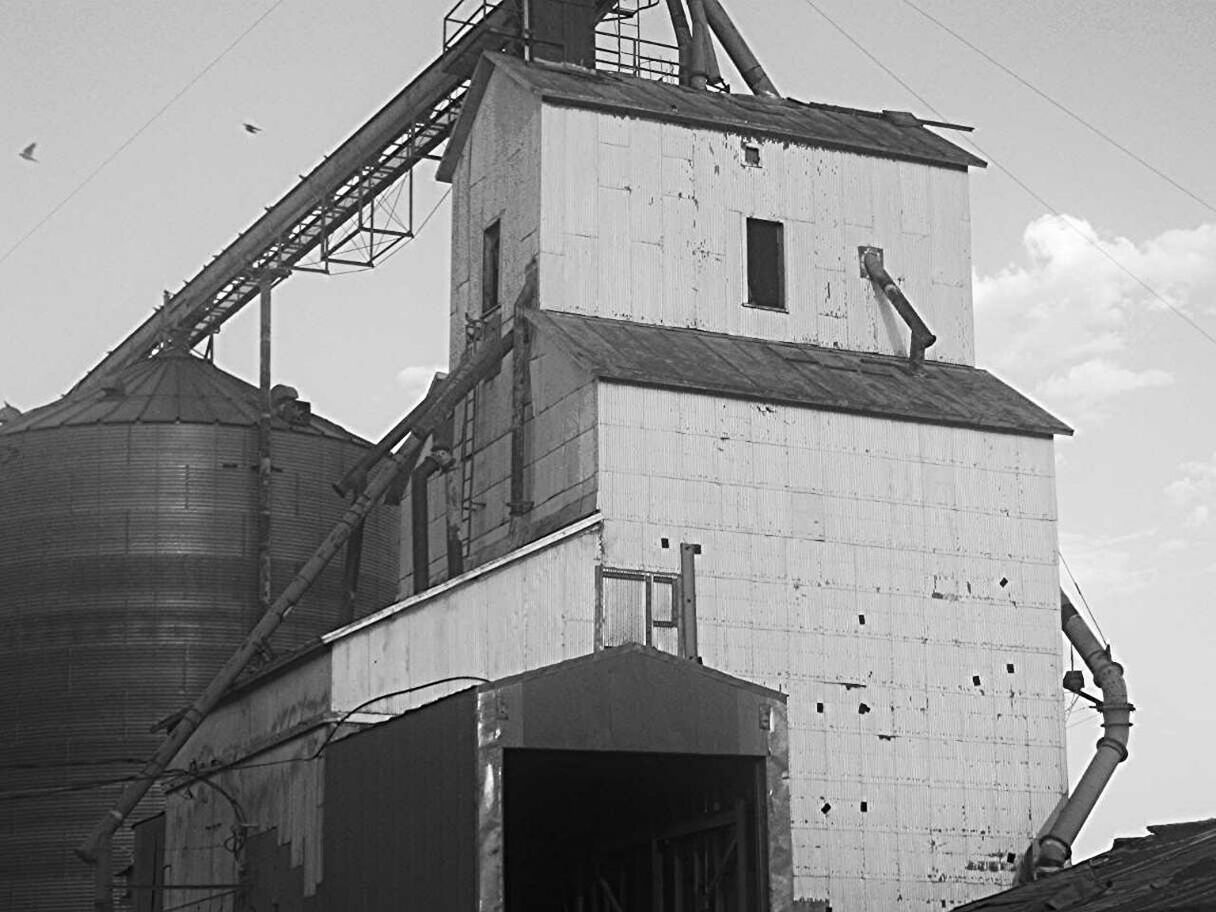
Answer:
[(128, 573)]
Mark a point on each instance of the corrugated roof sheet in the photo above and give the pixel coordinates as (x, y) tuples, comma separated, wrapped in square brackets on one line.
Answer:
[(829, 126), (170, 388), (789, 372), (1173, 870)]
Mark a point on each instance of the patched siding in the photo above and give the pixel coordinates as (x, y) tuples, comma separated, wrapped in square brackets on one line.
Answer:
[(646, 221), (892, 573)]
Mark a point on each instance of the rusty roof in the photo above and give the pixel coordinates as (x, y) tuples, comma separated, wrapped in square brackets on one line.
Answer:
[(794, 373), (174, 387), (888, 135), (1171, 870)]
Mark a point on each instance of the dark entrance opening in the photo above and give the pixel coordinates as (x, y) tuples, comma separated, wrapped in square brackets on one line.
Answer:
[(600, 831)]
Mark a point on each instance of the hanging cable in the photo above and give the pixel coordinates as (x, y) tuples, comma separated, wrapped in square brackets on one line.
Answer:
[(134, 136), (1013, 177), (1084, 601), (1062, 107)]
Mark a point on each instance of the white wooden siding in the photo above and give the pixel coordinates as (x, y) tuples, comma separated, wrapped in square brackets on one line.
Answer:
[(498, 177), (645, 221), (809, 521)]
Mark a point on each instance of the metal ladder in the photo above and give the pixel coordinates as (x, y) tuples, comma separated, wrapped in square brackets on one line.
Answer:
[(467, 448)]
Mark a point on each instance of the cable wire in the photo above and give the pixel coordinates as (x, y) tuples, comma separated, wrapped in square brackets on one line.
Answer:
[(134, 136), (1013, 177), (1084, 601), (1062, 107)]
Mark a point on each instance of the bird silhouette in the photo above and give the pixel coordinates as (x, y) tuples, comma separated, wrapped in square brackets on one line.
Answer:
[(28, 152), (252, 128)]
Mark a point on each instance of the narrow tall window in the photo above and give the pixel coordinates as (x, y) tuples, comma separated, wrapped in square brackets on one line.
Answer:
[(489, 268), (765, 264)]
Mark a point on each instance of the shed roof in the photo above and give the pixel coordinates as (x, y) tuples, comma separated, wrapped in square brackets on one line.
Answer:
[(171, 388), (1172, 870), (828, 126), (794, 373)]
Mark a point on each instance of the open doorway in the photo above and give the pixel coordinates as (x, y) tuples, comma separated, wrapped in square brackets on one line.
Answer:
[(608, 831)]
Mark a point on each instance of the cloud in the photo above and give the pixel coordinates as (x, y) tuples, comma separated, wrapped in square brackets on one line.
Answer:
[(415, 381), (1064, 324), (1108, 566), (1092, 382), (1195, 491)]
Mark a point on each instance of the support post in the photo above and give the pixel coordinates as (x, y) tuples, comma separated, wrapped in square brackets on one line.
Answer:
[(265, 465), (688, 600), (698, 76), (679, 25), (103, 887)]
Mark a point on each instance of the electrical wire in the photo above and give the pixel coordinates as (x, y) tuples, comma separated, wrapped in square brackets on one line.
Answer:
[(1084, 601), (134, 136), (1013, 177), (1062, 107), (91, 784)]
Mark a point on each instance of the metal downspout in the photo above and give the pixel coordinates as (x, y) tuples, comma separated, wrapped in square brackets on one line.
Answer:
[(922, 337), (737, 48), (1055, 847), (679, 25), (698, 75)]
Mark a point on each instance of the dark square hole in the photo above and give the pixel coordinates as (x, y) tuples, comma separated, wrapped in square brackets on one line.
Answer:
[(664, 543), (818, 707), (865, 806), (975, 679), (1009, 667), (861, 619), (751, 155)]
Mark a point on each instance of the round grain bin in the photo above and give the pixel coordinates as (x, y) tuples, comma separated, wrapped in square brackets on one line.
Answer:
[(128, 574)]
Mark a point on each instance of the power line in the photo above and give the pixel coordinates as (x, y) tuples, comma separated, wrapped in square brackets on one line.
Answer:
[(1084, 601), (134, 136), (1062, 107), (1017, 180)]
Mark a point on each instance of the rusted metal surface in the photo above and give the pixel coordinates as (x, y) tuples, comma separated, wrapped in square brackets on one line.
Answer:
[(1172, 870), (128, 570), (788, 372), (828, 126), (400, 816)]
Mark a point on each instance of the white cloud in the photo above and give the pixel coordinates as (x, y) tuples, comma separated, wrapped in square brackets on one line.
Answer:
[(1195, 491), (416, 380), (1064, 324), (1092, 382), (1108, 566)]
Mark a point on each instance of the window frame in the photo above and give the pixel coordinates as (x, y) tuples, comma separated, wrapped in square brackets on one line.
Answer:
[(782, 303), (493, 232)]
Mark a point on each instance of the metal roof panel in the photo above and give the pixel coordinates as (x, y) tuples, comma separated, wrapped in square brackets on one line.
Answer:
[(794, 373)]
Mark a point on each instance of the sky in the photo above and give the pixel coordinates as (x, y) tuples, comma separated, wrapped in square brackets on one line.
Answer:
[(1083, 257)]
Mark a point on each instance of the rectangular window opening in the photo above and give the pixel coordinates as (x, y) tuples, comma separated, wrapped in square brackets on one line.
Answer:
[(765, 264), (490, 257)]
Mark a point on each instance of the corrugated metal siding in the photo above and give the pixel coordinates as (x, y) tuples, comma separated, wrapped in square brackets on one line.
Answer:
[(654, 232), (523, 615), (401, 813), (810, 521), (127, 577), (796, 373)]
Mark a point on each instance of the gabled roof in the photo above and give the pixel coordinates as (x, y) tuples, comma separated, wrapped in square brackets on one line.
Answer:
[(1173, 870), (897, 135), (794, 373), (171, 388)]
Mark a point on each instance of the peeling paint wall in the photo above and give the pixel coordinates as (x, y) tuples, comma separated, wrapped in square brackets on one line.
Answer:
[(497, 177), (646, 221), (560, 450), (899, 582)]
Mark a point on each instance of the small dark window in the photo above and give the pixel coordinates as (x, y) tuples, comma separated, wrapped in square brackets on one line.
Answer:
[(865, 807), (765, 264), (751, 155), (490, 249)]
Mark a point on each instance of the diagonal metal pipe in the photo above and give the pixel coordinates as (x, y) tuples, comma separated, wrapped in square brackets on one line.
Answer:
[(922, 337), (738, 50), (96, 847), (1054, 848)]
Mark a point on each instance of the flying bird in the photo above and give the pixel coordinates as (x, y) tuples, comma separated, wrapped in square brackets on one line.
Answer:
[(28, 152), (252, 128)]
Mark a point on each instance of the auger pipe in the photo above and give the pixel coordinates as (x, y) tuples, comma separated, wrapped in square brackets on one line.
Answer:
[(679, 25), (922, 337), (471, 370), (738, 50), (1055, 846)]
